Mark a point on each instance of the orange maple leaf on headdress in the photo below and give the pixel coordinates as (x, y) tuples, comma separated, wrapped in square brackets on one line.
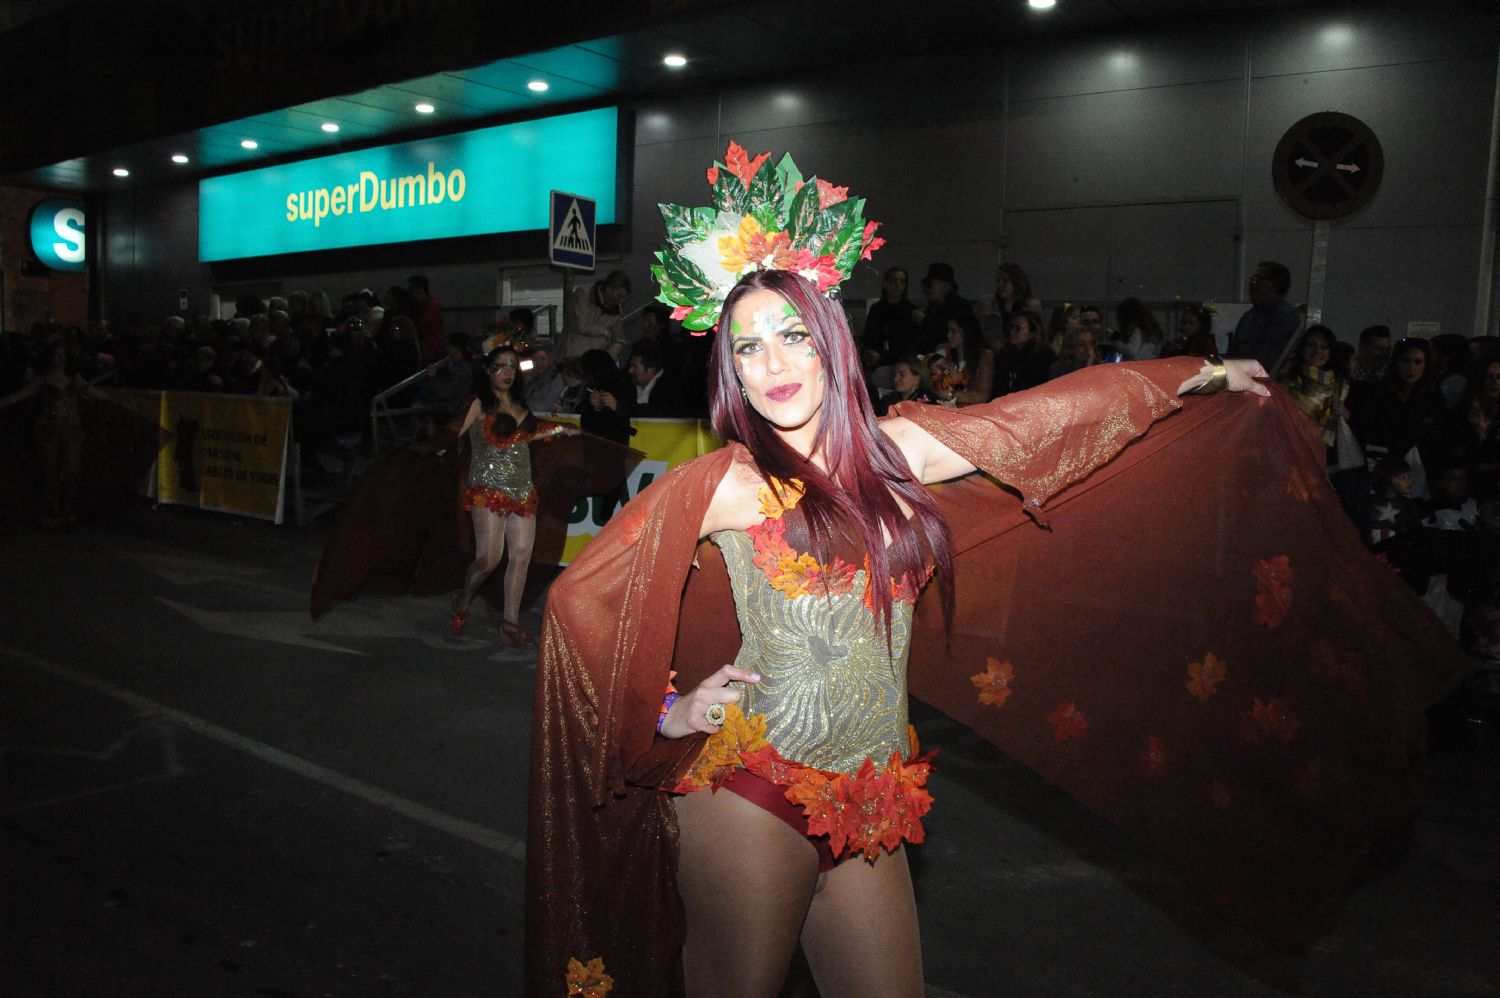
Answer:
[(1269, 719), (994, 682), (754, 248), (1153, 758), (588, 980), (870, 245), (1067, 721), (713, 175), (1205, 677), (829, 194), (739, 163)]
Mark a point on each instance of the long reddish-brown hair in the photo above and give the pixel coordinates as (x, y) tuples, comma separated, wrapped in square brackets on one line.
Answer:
[(866, 470)]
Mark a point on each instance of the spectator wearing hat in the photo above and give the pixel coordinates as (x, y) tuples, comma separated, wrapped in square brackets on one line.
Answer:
[(943, 305)]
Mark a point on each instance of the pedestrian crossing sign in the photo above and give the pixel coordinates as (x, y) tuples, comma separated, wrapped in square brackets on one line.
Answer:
[(572, 232)]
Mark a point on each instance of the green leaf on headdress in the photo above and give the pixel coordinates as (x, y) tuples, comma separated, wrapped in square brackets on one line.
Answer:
[(703, 221), (787, 173), (763, 186), (729, 194), (687, 225), (767, 215), (802, 218), (836, 216), (679, 222), (702, 317), (687, 278)]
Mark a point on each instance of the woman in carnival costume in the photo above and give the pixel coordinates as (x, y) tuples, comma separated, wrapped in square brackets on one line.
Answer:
[(500, 497), (690, 839), (516, 479)]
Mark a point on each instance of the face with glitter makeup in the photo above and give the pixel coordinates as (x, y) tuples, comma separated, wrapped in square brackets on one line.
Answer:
[(776, 361)]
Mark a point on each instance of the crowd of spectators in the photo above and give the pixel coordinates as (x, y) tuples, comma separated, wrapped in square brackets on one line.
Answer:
[(1412, 427)]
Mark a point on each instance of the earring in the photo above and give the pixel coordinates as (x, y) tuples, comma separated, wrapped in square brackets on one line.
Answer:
[(744, 394)]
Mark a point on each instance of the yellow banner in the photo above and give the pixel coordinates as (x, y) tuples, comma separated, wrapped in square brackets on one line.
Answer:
[(666, 444), (228, 453)]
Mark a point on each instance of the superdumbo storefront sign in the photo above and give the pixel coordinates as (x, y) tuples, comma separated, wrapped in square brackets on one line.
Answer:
[(473, 183)]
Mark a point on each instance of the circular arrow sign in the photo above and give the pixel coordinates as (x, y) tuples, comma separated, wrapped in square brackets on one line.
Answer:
[(1327, 165)]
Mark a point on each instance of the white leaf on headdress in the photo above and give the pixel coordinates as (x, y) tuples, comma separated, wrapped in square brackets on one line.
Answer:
[(704, 253)]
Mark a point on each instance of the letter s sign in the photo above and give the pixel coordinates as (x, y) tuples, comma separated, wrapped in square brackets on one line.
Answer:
[(57, 234)]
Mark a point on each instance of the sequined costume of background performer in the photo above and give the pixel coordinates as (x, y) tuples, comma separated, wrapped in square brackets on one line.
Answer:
[(499, 495), (57, 433)]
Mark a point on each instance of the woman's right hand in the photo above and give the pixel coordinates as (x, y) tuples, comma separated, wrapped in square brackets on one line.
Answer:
[(689, 713)]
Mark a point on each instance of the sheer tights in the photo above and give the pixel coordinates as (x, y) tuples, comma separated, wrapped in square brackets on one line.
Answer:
[(493, 532), (751, 888), (62, 462)]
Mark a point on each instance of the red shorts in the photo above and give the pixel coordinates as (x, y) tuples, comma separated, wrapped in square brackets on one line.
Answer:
[(769, 797)]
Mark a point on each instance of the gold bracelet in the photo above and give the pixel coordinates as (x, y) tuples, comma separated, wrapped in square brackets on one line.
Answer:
[(1218, 380)]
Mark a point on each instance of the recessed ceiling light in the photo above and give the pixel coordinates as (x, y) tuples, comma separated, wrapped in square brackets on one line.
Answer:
[(425, 108), (120, 171), (179, 158), (675, 60), (249, 144), (1042, 4), (537, 86), (329, 126)]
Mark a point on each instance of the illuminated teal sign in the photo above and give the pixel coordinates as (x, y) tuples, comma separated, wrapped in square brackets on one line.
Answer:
[(473, 183), (57, 227)]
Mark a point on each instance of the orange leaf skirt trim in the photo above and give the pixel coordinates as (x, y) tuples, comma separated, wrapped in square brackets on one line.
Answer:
[(499, 502), (875, 809)]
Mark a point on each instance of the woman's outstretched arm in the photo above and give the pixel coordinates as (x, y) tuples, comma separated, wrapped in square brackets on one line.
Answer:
[(1093, 412)]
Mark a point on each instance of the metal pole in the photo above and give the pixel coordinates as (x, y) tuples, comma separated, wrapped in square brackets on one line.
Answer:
[(1482, 299)]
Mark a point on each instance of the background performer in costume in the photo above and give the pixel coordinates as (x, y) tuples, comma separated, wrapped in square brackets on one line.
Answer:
[(499, 496)]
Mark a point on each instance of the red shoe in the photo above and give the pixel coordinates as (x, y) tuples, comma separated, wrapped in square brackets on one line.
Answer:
[(460, 618), (515, 635)]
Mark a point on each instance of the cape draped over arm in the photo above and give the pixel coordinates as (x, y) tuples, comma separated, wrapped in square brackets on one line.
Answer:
[(1197, 647)]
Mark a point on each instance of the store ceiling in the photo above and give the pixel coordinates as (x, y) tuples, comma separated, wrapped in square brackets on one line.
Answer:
[(748, 41)]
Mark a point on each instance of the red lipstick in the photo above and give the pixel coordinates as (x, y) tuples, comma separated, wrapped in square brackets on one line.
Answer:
[(782, 393)]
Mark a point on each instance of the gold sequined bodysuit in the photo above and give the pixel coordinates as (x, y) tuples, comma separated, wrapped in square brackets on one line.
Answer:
[(830, 693), (500, 465)]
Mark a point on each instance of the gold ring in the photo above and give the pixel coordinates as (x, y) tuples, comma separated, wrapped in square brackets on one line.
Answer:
[(714, 714)]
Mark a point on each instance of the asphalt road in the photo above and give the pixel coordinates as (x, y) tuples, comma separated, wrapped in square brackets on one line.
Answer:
[(203, 792)]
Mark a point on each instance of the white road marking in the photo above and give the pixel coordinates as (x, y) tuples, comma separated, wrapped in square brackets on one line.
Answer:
[(458, 827)]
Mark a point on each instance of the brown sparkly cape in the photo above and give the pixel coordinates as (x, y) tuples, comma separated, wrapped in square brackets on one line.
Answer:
[(1172, 619)]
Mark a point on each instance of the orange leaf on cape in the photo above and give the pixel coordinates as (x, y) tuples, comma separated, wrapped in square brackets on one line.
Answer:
[(994, 682), (588, 980), (1205, 676), (1273, 580), (1067, 721)]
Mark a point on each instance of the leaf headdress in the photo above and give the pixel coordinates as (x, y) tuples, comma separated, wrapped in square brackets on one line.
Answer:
[(763, 216)]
